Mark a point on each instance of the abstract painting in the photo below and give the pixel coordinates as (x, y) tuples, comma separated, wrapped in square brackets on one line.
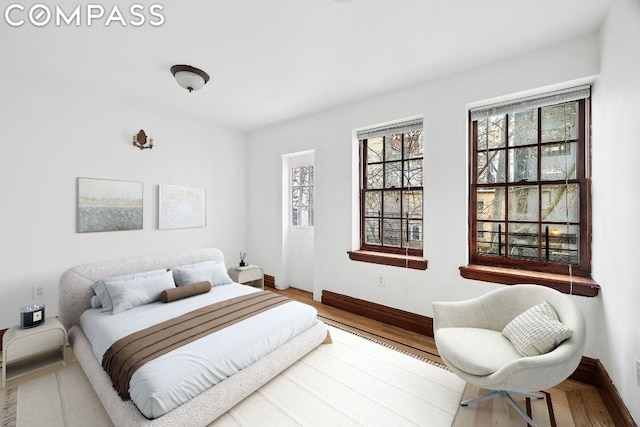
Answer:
[(181, 207), (109, 205)]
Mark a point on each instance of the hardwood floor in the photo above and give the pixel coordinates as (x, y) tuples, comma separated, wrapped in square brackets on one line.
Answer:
[(573, 404), (570, 404)]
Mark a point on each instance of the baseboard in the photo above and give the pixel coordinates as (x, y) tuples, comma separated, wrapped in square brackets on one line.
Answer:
[(590, 371), (612, 400), (587, 373), (269, 281), (392, 316)]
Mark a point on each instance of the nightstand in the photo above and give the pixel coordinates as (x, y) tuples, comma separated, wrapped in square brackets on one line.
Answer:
[(250, 275), (25, 350)]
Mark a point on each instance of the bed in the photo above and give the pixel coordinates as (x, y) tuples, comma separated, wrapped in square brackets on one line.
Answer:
[(261, 360)]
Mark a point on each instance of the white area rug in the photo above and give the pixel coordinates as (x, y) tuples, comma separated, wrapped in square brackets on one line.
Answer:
[(352, 382)]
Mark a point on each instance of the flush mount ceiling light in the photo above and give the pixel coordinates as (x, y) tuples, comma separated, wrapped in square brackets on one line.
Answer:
[(190, 78), (140, 140)]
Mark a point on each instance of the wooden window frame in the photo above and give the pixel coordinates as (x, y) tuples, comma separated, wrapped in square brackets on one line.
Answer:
[(381, 254), (502, 269)]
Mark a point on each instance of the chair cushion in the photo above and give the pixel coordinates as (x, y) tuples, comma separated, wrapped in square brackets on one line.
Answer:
[(475, 351), (536, 331)]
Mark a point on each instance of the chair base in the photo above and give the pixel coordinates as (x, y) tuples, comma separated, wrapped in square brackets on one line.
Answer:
[(508, 395)]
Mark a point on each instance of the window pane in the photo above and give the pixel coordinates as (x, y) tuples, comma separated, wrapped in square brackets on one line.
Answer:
[(523, 128), (393, 147), (374, 176), (413, 144), (393, 174), (560, 122), (372, 231), (307, 196), (373, 203), (523, 164), (295, 218), (491, 167), (392, 232), (559, 161), (560, 203), (523, 203), (493, 203), (374, 150), (413, 173), (412, 204), (495, 137), (295, 176), (561, 243), (490, 238), (392, 204), (304, 217), (523, 241), (305, 176), (296, 196), (413, 235)]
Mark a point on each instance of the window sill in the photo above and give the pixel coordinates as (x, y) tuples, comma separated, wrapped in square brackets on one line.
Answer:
[(396, 260), (582, 286)]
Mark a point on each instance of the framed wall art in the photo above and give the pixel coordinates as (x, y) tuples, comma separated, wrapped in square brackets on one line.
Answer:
[(181, 207), (109, 205)]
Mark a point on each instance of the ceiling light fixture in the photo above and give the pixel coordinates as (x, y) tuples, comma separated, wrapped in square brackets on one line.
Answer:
[(190, 78), (140, 140)]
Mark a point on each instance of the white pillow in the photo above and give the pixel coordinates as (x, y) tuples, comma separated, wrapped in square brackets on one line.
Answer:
[(536, 331), (177, 270), (215, 273), (101, 291), (128, 294)]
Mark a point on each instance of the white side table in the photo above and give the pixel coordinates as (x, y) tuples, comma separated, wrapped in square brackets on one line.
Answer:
[(250, 275), (25, 350)]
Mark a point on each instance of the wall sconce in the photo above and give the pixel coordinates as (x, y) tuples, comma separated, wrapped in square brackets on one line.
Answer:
[(140, 140), (190, 78)]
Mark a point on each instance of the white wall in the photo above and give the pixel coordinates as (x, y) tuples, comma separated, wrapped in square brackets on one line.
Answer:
[(52, 134), (443, 104), (616, 176)]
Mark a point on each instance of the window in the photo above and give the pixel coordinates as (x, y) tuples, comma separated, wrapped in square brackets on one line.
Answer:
[(391, 203), (529, 185), (302, 196)]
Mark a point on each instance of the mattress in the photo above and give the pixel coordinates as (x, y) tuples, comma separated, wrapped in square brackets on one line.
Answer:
[(174, 378)]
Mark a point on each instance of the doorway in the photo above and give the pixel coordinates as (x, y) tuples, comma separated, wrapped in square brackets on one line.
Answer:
[(298, 214)]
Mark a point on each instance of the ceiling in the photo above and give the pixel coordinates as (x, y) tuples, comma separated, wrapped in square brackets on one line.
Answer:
[(273, 60)]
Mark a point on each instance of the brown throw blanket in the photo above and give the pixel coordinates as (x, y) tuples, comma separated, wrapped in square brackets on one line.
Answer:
[(127, 354)]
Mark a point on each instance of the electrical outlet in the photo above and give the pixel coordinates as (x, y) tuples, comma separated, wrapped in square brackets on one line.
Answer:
[(380, 280), (38, 292)]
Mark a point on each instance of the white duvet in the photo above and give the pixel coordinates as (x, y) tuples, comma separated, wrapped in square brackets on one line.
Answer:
[(172, 379)]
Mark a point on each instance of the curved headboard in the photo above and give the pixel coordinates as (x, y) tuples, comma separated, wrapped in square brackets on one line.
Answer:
[(75, 284)]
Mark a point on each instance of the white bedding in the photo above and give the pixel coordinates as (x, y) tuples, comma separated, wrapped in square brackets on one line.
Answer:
[(172, 379)]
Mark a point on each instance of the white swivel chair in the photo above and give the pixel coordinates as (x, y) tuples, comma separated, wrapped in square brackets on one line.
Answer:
[(469, 339)]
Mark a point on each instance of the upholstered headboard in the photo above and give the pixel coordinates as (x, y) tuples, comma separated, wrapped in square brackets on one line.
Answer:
[(75, 284)]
